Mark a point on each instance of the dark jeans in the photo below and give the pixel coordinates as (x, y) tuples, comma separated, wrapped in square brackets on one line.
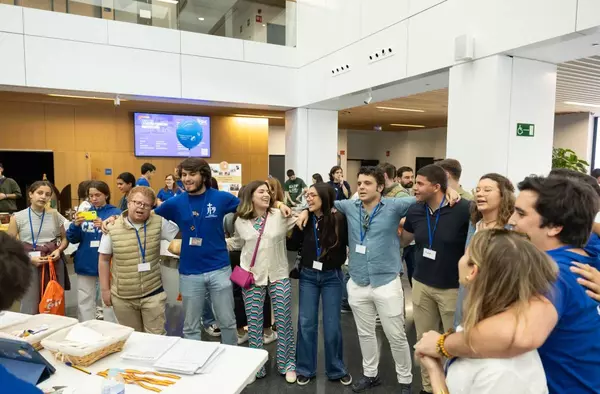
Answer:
[(315, 286), (238, 299), (346, 274), (409, 257)]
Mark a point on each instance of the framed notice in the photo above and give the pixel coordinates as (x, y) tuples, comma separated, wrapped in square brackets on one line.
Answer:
[(228, 176)]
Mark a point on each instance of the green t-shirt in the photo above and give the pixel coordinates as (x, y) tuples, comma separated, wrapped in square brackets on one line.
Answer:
[(295, 188)]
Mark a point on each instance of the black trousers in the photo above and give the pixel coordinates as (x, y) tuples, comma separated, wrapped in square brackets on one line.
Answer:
[(238, 299), (409, 257)]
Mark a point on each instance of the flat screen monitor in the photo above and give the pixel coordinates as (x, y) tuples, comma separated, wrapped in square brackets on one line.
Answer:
[(155, 135)]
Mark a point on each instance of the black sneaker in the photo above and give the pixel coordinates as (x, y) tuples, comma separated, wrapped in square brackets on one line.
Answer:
[(365, 383), (405, 389), (346, 380), (302, 380)]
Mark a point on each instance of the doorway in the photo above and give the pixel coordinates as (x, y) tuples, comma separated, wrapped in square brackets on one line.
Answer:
[(26, 167), (277, 167), (421, 162)]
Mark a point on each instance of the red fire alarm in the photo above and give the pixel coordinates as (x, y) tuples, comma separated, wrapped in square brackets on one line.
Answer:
[(387, 153), (259, 18), (342, 152)]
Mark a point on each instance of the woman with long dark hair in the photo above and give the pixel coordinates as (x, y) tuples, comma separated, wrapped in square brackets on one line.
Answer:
[(322, 246), (42, 233), (260, 233)]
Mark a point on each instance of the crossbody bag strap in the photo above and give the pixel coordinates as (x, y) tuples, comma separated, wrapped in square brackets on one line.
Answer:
[(260, 234)]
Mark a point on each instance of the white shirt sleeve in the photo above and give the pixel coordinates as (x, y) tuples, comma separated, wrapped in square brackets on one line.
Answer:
[(168, 231), (105, 245), (597, 220)]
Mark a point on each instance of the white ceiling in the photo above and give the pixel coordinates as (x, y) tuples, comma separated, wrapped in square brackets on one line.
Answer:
[(578, 81)]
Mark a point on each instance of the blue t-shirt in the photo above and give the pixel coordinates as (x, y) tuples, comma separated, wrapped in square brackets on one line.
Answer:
[(593, 248), (142, 182), (571, 354), (339, 192), (201, 217), (9, 383), (164, 195)]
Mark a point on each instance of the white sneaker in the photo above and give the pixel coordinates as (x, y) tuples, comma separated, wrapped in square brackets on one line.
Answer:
[(242, 338), (213, 330), (270, 338)]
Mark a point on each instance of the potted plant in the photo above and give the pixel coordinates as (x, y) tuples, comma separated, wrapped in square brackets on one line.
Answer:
[(566, 158)]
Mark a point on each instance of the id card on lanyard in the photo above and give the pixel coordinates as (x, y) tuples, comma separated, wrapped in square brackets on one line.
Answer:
[(196, 241), (428, 252), (35, 239), (143, 266), (317, 264), (361, 248)]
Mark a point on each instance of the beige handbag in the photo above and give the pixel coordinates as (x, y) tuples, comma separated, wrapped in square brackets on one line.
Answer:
[(175, 247)]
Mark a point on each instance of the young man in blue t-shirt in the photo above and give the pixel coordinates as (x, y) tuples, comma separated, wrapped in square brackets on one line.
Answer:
[(15, 278), (204, 259), (148, 169), (557, 214)]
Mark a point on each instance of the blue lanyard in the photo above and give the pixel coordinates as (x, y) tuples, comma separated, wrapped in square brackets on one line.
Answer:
[(142, 248), (198, 223), (448, 364), (316, 237), (363, 234), (437, 218), (33, 238)]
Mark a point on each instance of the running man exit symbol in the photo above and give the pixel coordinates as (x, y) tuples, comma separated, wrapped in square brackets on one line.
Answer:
[(525, 130)]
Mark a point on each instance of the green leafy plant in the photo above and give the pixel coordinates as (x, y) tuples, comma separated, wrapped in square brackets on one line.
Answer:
[(566, 158)]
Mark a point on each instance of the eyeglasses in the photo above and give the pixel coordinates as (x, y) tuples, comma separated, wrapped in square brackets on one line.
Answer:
[(141, 204)]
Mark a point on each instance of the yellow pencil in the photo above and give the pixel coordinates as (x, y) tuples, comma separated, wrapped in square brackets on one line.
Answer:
[(78, 368)]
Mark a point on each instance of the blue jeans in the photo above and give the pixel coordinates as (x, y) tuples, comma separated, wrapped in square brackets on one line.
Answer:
[(208, 318), (346, 274), (315, 286), (193, 291)]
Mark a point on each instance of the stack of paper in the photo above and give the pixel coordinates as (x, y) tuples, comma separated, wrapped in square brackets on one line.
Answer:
[(189, 357), (148, 348)]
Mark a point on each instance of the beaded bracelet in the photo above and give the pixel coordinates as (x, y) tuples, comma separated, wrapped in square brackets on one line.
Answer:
[(440, 348)]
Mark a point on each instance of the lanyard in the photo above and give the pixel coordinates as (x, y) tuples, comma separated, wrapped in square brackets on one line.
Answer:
[(197, 223), (142, 248), (448, 364), (316, 237), (363, 234), (437, 218), (33, 237)]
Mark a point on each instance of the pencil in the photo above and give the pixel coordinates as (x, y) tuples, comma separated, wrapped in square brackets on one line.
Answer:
[(78, 368)]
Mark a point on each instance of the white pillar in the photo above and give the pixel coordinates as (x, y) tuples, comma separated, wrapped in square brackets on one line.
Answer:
[(311, 142), (290, 23), (487, 99)]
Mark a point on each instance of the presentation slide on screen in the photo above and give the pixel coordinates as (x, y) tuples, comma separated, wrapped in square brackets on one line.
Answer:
[(156, 135)]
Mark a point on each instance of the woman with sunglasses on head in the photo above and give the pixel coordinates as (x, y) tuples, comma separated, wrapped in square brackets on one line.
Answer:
[(170, 190), (494, 204), (87, 233), (322, 246), (42, 233), (501, 269), (260, 233)]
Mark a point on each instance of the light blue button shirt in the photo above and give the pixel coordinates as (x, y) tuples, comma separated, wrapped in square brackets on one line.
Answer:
[(382, 262)]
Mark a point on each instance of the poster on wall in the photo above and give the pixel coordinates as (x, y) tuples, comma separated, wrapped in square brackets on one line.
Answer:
[(228, 176)]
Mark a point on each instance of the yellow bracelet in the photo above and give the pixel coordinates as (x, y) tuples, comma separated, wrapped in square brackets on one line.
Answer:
[(441, 349)]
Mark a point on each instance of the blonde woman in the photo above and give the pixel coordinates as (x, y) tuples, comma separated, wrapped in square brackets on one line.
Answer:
[(260, 228), (501, 270), (276, 189)]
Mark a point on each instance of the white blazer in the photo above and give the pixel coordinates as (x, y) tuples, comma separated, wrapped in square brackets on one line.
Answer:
[(271, 259)]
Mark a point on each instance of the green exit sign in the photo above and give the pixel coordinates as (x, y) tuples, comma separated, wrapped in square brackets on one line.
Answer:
[(525, 130)]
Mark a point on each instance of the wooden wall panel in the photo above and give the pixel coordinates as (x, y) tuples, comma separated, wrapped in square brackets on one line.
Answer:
[(87, 139)]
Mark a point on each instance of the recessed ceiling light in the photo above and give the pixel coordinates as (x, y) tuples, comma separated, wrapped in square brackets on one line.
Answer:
[(200, 18), (400, 109), (417, 126), (582, 104), (169, 1), (264, 25), (259, 116)]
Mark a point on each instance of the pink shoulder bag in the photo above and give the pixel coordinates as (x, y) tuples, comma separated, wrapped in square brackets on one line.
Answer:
[(240, 276)]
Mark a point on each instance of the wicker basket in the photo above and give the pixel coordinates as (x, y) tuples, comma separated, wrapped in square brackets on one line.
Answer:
[(115, 338), (55, 323)]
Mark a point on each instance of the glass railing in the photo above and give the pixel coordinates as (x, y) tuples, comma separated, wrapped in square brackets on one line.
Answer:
[(268, 21)]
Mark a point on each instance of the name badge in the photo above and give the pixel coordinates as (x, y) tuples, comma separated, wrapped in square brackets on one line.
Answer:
[(143, 267), (194, 241), (361, 249), (35, 254), (94, 244), (318, 265), (429, 253)]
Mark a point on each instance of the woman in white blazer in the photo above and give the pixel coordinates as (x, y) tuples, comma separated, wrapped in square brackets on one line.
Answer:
[(255, 215)]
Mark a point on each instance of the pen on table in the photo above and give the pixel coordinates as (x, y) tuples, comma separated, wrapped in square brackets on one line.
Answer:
[(78, 368)]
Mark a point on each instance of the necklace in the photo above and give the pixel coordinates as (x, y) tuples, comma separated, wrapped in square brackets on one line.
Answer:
[(487, 224)]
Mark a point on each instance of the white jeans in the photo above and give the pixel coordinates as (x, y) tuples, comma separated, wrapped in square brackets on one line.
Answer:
[(87, 294), (387, 301)]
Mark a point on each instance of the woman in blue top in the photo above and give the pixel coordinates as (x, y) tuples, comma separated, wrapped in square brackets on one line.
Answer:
[(87, 234), (170, 190)]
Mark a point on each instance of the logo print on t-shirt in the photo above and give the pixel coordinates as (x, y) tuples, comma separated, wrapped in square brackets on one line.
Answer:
[(211, 211)]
